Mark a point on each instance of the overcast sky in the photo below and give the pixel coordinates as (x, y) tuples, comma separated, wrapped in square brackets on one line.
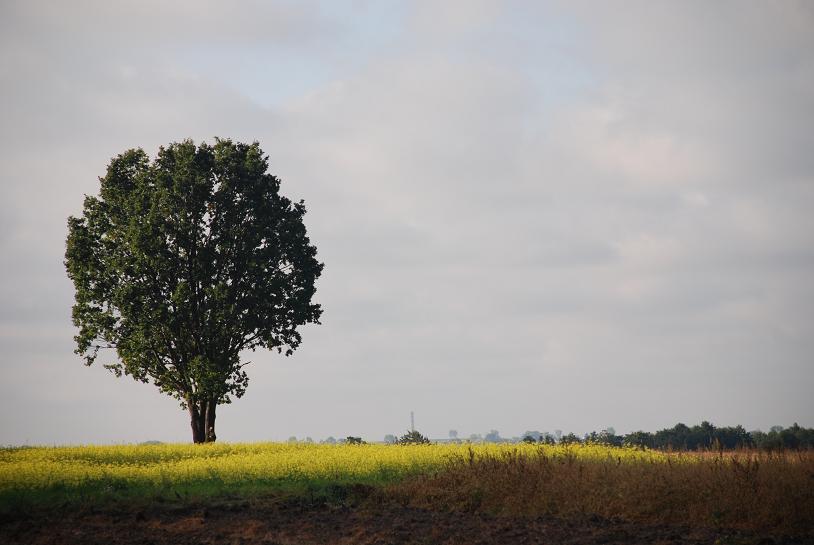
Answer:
[(533, 216)]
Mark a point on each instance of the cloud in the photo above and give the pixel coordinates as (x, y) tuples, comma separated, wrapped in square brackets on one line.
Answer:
[(531, 215)]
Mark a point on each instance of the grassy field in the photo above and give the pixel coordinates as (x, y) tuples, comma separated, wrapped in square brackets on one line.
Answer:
[(750, 490)]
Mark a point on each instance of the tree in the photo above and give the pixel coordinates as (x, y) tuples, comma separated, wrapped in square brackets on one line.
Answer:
[(182, 263), (640, 439), (493, 437), (548, 439), (413, 437), (570, 439)]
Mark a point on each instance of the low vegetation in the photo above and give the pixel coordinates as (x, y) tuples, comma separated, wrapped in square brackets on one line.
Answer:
[(35, 476), (765, 492), (31, 476), (752, 490)]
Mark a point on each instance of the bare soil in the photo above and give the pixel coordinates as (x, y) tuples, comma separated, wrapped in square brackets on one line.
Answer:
[(278, 521)]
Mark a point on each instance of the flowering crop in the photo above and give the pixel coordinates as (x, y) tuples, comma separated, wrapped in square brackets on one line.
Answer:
[(217, 467), (744, 489)]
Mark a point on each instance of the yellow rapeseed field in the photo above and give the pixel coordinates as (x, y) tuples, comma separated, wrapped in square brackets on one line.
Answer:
[(742, 489), (225, 465)]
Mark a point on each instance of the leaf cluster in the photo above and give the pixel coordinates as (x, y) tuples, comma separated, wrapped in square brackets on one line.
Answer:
[(413, 437), (181, 263)]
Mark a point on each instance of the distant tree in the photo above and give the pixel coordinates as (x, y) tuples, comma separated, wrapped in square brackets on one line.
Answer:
[(529, 439), (350, 440), (731, 437), (390, 439), (768, 441), (805, 436), (640, 439), (182, 263), (548, 439), (604, 437), (699, 437), (758, 437), (608, 437), (790, 437), (569, 439), (676, 437), (535, 435), (708, 436), (793, 437), (493, 437), (475, 438), (292, 439), (453, 434), (413, 437), (329, 440), (706, 432), (309, 440)]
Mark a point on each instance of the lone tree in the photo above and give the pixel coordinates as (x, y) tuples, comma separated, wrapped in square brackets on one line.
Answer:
[(182, 263)]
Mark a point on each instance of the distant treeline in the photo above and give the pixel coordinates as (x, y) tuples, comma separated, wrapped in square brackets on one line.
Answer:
[(700, 437)]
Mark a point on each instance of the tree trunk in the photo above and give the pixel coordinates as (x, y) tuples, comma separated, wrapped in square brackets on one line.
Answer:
[(209, 426), (196, 417), (202, 420)]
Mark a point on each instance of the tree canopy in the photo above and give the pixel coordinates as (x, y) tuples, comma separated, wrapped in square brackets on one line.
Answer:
[(183, 262)]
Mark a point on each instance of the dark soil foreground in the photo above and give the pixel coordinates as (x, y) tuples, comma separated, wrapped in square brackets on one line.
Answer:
[(279, 522)]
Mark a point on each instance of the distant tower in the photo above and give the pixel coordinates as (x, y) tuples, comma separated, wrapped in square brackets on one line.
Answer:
[(412, 421)]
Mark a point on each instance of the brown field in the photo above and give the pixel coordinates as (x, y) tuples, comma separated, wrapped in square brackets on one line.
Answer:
[(767, 493)]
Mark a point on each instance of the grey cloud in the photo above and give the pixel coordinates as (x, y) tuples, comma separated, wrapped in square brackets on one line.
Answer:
[(152, 23), (516, 207)]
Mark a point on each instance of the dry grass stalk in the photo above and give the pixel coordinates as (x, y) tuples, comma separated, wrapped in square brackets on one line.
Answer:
[(750, 490)]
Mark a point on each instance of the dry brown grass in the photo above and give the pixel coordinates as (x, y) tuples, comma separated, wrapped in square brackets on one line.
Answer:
[(748, 490)]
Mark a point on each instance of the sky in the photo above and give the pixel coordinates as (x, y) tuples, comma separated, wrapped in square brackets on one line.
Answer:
[(533, 215)]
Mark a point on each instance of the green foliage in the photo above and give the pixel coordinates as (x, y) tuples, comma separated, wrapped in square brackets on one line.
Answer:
[(794, 437), (548, 439), (413, 437), (181, 263), (706, 436), (570, 439), (700, 437), (639, 439), (605, 437)]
